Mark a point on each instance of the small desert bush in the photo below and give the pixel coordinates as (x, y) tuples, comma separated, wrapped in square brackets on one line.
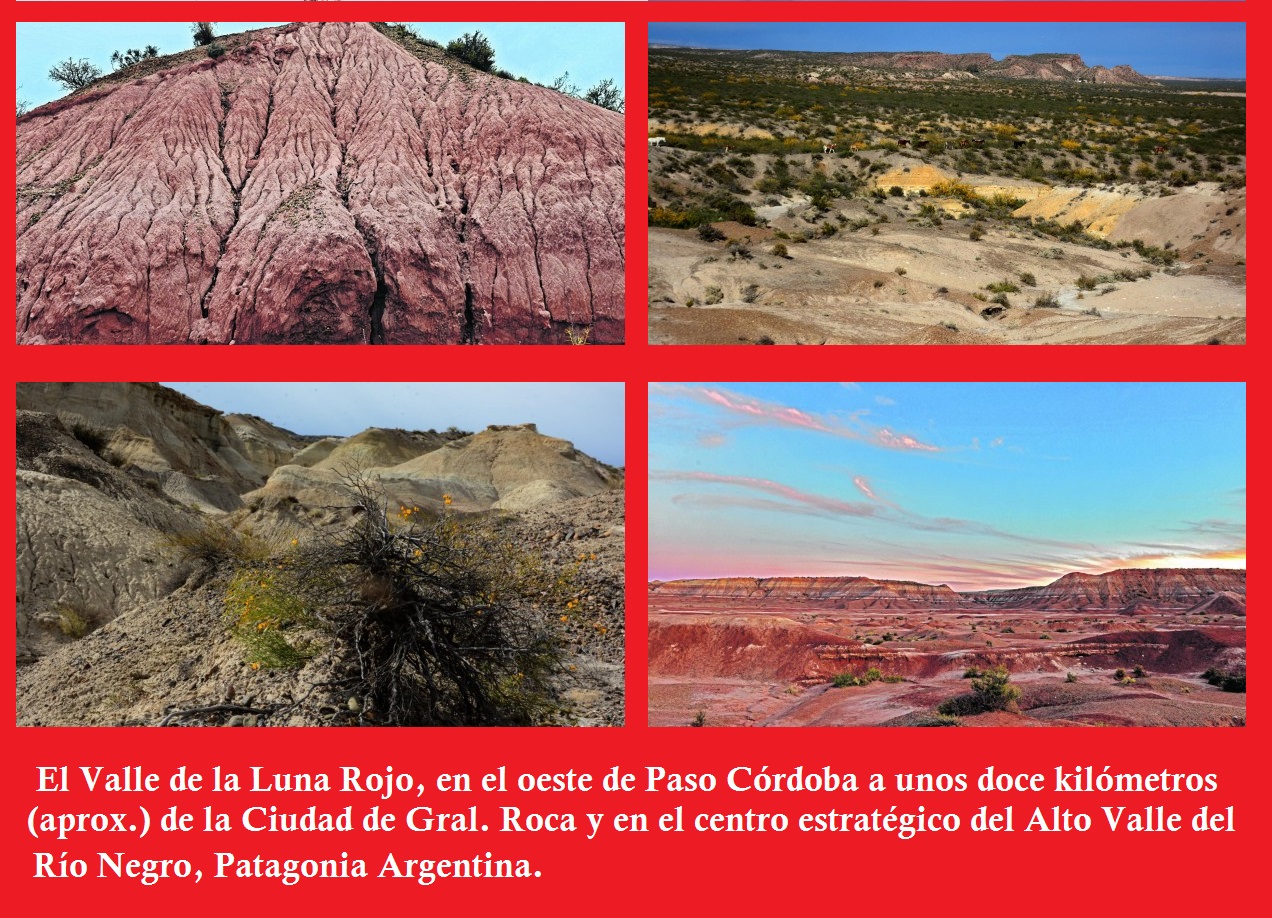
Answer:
[(1046, 301), (1002, 286), (96, 440), (991, 691), (215, 542), (74, 622), (1228, 681), (707, 232), (849, 679), (266, 614)]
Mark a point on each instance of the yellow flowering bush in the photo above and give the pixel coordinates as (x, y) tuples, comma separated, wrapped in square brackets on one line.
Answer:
[(267, 615)]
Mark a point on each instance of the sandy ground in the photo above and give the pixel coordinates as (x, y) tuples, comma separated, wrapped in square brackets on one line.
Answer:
[(846, 290), (902, 280)]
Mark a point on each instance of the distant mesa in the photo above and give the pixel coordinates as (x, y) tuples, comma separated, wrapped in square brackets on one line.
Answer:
[(1131, 591)]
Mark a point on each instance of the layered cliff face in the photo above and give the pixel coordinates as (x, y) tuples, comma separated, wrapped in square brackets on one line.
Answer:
[(1126, 591), (194, 453), (1052, 67), (318, 183), (838, 592)]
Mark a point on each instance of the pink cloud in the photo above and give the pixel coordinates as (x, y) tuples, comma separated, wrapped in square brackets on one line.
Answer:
[(864, 487), (803, 500), (885, 437), (762, 412)]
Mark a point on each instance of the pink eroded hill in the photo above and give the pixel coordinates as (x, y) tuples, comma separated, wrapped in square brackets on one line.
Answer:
[(318, 183)]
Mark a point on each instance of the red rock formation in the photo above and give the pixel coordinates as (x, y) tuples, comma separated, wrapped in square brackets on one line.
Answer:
[(834, 592), (1165, 588), (318, 183), (1142, 589)]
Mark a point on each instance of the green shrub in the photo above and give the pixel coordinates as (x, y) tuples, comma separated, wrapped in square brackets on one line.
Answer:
[(848, 678), (214, 542), (74, 622), (215, 51), (74, 74), (474, 49), (1070, 678), (96, 440), (1229, 682), (203, 33), (991, 691), (266, 614), (707, 232)]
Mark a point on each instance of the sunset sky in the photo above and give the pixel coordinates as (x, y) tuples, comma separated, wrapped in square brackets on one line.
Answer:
[(976, 485)]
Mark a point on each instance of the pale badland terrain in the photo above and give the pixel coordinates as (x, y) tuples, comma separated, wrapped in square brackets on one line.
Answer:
[(800, 198), (160, 539)]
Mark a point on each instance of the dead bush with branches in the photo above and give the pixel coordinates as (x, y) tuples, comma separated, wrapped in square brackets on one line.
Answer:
[(430, 617)]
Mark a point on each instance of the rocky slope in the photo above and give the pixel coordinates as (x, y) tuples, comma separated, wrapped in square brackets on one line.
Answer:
[(318, 182), (170, 655), (1126, 591)]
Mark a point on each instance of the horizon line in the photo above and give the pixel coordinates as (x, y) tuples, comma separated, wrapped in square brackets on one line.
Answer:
[(926, 583)]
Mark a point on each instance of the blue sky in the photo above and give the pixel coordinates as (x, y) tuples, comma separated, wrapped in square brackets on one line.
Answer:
[(588, 414), (539, 51), (975, 485), (1214, 49)]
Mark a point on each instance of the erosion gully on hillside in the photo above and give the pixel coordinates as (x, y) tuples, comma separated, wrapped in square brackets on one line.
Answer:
[(318, 182), (1128, 648)]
